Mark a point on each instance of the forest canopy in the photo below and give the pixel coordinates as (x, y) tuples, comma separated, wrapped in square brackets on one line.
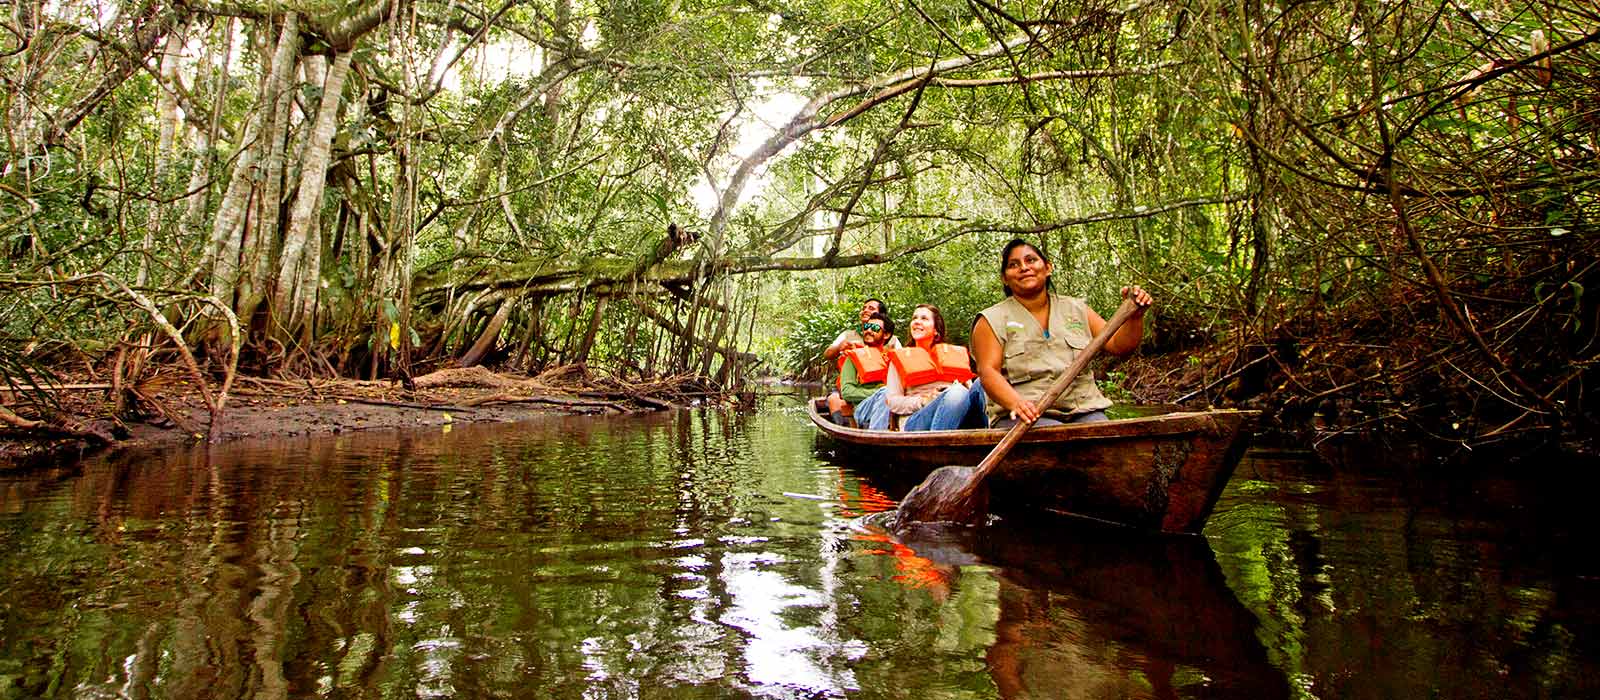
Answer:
[(1377, 202)]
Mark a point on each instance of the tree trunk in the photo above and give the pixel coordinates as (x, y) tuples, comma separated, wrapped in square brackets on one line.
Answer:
[(566, 340), (654, 350), (167, 118), (227, 228), (287, 299), (1260, 247), (264, 235), (594, 328), (530, 334), (200, 173), (402, 211), (194, 210), (536, 337), (716, 341), (490, 333), (728, 354), (631, 353)]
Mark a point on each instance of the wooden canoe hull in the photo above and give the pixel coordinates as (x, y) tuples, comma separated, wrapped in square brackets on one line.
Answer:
[(1162, 472)]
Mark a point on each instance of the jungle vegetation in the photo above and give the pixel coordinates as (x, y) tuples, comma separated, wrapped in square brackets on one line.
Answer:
[(1384, 203)]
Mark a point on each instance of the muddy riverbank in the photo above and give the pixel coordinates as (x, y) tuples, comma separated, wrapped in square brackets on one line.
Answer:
[(77, 417)]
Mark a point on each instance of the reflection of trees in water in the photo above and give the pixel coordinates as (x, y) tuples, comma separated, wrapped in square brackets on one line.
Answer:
[(563, 557), (553, 559), (1376, 578), (577, 556), (236, 553)]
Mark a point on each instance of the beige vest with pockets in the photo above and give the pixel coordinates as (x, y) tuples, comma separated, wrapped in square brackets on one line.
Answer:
[(1032, 361)]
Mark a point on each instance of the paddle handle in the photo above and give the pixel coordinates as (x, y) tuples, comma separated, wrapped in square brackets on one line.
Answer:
[(1065, 380)]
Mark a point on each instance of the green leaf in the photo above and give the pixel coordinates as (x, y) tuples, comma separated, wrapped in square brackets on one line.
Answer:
[(662, 205)]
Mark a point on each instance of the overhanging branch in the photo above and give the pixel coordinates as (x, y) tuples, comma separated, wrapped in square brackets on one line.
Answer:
[(536, 278)]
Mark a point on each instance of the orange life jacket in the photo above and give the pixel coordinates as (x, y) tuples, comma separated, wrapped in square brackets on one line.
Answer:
[(871, 367), (947, 363)]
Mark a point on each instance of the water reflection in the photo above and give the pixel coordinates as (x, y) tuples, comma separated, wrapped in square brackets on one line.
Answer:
[(704, 554), (1085, 611), (567, 557), (1389, 577)]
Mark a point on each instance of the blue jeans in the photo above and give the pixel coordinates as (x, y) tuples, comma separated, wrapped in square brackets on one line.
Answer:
[(955, 407), (871, 407)]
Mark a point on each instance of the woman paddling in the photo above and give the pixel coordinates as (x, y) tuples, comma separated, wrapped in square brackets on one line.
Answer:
[(930, 383), (1026, 340)]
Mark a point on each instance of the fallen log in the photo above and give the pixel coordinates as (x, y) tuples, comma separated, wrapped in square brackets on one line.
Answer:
[(553, 400), (467, 407), (657, 404), (93, 434), (476, 376)]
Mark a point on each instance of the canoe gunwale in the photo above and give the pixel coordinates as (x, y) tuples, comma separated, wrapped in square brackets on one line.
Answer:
[(1160, 425)]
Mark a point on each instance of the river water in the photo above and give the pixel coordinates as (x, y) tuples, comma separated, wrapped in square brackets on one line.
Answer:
[(708, 554)]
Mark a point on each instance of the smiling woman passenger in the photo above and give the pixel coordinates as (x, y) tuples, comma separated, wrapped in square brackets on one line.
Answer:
[(1024, 342), (930, 383)]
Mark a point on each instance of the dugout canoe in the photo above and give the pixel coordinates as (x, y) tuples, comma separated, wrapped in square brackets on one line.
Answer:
[(1160, 472)]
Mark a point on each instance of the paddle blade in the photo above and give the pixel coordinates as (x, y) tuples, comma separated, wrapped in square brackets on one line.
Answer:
[(949, 495)]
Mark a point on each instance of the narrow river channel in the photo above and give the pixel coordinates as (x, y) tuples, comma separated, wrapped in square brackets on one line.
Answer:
[(707, 554)]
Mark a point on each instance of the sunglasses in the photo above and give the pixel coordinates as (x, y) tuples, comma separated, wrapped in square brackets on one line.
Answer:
[(874, 327)]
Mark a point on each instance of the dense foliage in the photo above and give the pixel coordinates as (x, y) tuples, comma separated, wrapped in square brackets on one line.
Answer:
[(1347, 202)]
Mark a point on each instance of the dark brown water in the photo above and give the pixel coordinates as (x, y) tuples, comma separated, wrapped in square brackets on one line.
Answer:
[(712, 555)]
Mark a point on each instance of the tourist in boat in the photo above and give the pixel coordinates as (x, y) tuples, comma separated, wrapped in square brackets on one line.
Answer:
[(851, 337), (862, 371), (930, 385), (1026, 341)]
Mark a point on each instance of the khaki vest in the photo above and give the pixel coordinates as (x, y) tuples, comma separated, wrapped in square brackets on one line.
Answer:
[(1032, 362)]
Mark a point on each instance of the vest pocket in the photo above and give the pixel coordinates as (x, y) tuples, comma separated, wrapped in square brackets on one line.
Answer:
[(1027, 361), (1078, 339)]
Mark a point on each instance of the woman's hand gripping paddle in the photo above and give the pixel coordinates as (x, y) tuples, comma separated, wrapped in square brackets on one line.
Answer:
[(956, 494)]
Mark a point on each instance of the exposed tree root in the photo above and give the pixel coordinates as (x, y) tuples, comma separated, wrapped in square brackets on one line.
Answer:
[(1315, 381), (93, 434)]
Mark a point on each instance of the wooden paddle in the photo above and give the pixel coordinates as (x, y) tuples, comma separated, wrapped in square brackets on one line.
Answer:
[(956, 494)]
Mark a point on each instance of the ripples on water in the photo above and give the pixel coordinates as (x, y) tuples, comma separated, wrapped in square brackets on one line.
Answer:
[(705, 554)]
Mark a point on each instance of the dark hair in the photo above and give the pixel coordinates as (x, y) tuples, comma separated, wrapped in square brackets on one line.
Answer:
[(881, 317), (1005, 254), (882, 306), (938, 322)]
